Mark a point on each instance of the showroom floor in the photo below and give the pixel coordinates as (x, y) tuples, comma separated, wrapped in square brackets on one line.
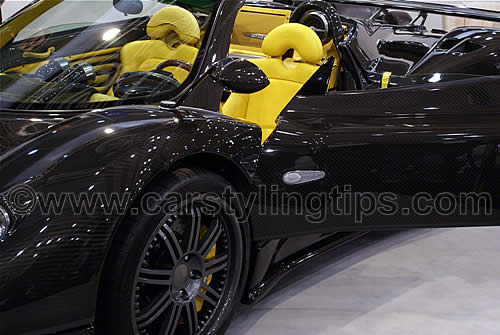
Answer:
[(414, 282)]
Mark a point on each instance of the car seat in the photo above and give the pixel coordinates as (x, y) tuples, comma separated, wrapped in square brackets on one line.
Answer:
[(174, 32), (147, 55), (286, 76)]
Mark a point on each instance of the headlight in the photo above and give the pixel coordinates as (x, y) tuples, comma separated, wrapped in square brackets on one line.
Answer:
[(4, 223)]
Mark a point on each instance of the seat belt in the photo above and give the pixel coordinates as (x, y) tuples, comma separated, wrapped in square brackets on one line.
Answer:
[(386, 78)]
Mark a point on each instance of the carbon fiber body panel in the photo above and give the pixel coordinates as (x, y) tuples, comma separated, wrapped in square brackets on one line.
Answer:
[(434, 138)]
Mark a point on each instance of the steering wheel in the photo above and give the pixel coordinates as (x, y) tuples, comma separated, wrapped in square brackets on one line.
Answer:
[(177, 63), (322, 17)]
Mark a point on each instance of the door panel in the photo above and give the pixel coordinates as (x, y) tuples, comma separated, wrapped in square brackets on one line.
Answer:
[(252, 25), (406, 158)]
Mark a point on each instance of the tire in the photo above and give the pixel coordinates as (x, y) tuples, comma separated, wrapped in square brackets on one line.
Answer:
[(179, 271)]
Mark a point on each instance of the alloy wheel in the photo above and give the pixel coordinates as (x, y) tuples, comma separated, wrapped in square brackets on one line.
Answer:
[(183, 274)]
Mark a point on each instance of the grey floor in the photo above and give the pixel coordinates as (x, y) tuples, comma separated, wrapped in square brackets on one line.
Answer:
[(415, 282)]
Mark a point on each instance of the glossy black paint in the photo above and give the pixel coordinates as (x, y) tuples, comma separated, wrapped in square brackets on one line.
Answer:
[(464, 51), (428, 7), (380, 48), (410, 50), (16, 129), (318, 84), (145, 141), (435, 137), (280, 265), (239, 76)]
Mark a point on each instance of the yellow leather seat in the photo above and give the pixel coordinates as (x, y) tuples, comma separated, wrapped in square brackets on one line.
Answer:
[(147, 55), (286, 76), (174, 32), (98, 97)]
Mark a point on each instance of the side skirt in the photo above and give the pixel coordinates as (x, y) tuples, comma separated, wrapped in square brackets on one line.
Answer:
[(278, 271)]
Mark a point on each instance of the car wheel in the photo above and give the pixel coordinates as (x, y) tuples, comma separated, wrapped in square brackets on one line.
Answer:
[(178, 271)]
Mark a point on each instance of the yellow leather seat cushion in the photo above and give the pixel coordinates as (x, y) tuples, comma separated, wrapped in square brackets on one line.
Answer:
[(98, 97), (147, 55), (264, 107), (289, 70), (286, 77), (261, 107)]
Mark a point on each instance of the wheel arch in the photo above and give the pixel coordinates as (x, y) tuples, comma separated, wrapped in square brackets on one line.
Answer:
[(223, 166), (237, 176), (219, 164)]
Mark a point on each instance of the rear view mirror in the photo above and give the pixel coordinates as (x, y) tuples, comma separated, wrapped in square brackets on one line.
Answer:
[(128, 6), (239, 76)]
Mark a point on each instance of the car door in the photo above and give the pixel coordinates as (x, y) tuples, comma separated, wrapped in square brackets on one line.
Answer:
[(409, 157)]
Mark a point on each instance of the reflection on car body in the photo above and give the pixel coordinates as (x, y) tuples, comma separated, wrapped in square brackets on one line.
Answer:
[(163, 161)]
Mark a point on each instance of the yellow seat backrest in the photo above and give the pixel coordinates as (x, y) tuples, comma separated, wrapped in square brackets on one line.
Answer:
[(147, 55), (286, 77)]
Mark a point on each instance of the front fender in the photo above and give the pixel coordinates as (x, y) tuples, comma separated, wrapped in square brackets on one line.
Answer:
[(52, 259)]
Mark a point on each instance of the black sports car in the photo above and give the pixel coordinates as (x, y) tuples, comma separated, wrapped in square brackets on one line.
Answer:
[(163, 161)]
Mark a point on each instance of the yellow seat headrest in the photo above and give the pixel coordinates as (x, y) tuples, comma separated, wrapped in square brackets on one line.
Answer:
[(177, 19), (294, 36)]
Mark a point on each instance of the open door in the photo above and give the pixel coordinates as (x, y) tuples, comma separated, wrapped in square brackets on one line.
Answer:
[(414, 157)]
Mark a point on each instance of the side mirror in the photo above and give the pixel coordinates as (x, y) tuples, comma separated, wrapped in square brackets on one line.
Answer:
[(239, 76), (128, 6)]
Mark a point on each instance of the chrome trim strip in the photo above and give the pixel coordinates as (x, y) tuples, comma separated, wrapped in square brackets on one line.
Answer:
[(298, 177)]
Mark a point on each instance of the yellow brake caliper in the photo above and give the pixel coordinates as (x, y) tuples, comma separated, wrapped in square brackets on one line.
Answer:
[(211, 254)]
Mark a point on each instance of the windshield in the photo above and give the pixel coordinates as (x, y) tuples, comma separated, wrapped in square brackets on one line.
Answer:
[(70, 52)]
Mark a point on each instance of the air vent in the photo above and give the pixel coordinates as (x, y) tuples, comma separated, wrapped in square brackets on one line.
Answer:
[(449, 43), (460, 46), (466, 47)]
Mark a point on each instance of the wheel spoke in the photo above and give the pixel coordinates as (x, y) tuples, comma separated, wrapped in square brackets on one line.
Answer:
[(207, 298), (210, 238), (154, 276), (159, 310), (168, 236), (216, 264), (216, 261), (170, 327), (153, 311), (191, 317), (210, 291), (192, 233)]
